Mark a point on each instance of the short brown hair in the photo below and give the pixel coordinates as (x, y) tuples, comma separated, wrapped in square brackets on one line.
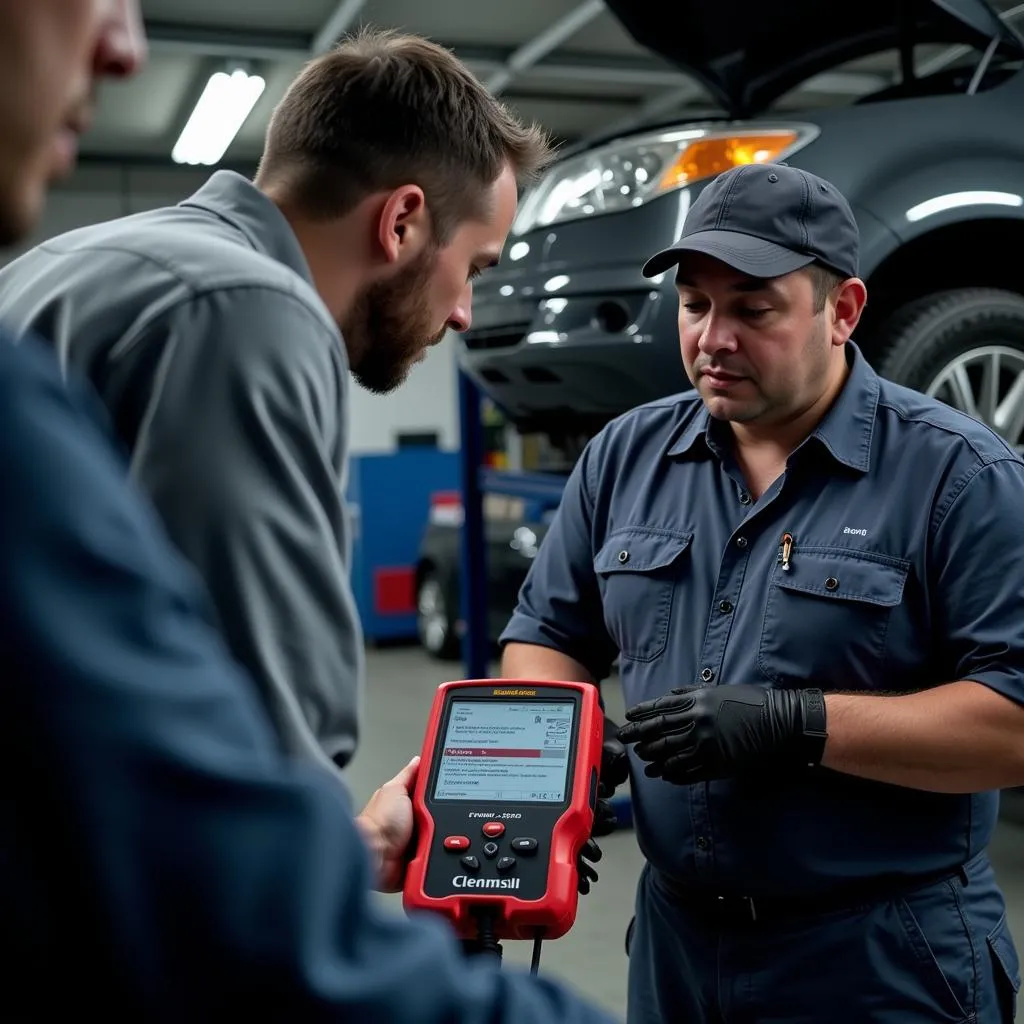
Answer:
[(385, 109), (824, 281)]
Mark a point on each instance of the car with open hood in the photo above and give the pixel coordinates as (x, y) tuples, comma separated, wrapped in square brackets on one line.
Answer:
[(567, 333)]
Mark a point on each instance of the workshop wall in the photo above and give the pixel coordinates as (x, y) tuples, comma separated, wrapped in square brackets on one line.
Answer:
[(98, 192), (427, 403)]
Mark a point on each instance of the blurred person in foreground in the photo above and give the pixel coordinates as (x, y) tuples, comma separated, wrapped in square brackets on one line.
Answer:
[(162, 858)]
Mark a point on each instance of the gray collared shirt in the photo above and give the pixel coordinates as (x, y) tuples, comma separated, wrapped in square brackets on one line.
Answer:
[(227, 379), (906, 571)]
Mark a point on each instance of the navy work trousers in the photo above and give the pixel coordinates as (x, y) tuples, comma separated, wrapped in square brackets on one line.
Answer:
[(940, 955)]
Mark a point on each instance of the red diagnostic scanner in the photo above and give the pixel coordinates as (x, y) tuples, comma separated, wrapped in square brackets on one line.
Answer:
[(504, 801)]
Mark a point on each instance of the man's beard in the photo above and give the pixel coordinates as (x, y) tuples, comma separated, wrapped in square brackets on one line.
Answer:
[(390, 325)]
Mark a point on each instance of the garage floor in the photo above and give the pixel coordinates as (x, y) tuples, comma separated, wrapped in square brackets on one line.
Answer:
[(591, 957)]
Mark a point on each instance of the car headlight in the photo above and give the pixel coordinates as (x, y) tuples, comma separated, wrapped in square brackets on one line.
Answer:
[(631, 172)]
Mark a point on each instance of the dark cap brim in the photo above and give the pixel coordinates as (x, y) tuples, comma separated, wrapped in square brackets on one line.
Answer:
[(745, 253)]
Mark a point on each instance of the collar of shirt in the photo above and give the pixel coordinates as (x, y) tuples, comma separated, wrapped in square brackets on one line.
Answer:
[(237, 200), (845, 432)]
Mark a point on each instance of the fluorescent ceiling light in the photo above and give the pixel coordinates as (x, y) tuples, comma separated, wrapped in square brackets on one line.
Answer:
[(226, 102)]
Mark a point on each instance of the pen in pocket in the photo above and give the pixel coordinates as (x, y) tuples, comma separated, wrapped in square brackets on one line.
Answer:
[(787, 550)]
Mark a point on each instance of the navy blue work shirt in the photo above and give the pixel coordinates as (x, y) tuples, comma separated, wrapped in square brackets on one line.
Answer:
[(159, 857), (906, 571)]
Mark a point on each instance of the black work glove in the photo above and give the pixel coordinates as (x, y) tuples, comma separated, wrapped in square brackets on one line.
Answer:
[(716, 732), (614, 772), (586, 875)]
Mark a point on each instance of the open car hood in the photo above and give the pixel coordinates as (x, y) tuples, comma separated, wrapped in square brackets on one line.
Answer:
[(747, 53)]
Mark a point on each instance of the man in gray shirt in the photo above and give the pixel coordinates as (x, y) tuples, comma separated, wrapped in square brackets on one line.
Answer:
[(220, 334)]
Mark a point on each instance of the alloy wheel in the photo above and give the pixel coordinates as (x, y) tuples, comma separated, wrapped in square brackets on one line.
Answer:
[(988, 384), (431, 615)]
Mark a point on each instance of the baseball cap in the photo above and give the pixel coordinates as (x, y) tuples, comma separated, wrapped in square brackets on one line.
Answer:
[(767, 220)]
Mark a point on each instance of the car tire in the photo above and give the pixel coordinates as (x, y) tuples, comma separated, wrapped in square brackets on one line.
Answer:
[(953, 344), (435, 618)]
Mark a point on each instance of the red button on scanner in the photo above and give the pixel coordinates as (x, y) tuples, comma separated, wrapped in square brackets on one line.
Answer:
[(493, 829), (456, 843)]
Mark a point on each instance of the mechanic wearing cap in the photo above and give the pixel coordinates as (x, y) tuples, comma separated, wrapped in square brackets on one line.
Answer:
[(814, 580)]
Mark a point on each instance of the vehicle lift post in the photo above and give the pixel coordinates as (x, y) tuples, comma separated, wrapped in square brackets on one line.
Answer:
[(476, 481)]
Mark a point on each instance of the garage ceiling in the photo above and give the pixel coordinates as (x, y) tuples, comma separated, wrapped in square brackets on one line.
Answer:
[(565, 63)]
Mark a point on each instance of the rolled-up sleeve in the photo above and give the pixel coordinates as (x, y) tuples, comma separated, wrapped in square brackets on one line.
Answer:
[(979, 579), (559, 604), (241, 450)]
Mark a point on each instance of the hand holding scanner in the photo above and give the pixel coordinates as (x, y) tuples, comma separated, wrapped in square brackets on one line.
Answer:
[(504, 801)]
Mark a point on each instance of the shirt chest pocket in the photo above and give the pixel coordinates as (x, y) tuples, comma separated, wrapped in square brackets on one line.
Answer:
[(638, 569), (826, 620)]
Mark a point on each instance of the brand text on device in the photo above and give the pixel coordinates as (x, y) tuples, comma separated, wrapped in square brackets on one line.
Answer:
[(465, 882)]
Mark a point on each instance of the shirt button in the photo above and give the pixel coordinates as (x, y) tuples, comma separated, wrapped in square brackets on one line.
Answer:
[(725, 606), (707, 675), (744, 498), (831, 583), (741, 542), (702, 843), (623, 557)]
